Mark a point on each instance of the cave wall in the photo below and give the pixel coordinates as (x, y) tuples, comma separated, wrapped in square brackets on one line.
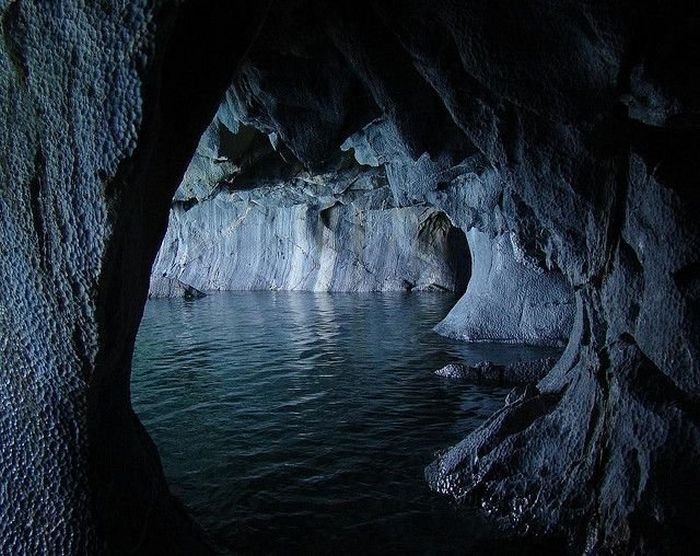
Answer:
[(52, 242), (571, 126), (99, 121), (345, 236), (248, 217), (516, 292), (316, 232), (508, 301)]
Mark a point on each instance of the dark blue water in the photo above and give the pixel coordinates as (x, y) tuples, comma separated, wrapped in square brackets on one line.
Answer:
[(301, 423)]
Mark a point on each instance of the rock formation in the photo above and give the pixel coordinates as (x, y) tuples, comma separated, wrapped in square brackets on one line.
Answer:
[(99, 120), (508, 301), (244, 218), (571, 127), (339, 231), (487, 372)]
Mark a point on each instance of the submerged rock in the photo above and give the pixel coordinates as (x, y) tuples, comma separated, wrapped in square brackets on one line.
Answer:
[(172, 287), (487, 372), (191, 293)]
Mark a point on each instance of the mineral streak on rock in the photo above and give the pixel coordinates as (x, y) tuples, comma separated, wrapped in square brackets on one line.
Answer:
[(348, 235)]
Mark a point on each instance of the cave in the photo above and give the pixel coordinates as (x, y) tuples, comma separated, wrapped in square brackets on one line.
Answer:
[(244, 219), (302, 357), (561, 138)]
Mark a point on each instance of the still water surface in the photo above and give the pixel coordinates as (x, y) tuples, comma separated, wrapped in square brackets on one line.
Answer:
[(296, 422)]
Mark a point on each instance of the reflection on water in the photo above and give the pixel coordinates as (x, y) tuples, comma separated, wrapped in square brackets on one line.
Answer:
[(293, 422)]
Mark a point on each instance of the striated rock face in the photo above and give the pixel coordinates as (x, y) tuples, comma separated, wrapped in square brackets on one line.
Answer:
[(571, 127), (345, 236), (246, 217)]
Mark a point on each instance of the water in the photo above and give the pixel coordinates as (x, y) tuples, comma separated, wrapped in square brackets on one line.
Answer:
[(301, 422)]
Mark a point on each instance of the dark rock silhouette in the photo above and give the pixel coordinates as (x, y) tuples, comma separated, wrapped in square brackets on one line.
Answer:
[(487, 372), (572, 127)]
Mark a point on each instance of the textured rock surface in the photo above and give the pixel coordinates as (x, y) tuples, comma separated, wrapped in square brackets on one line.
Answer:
[(486, 372), (507, 301), (348, 235), (98, 122), (516, 293), (571, 126)]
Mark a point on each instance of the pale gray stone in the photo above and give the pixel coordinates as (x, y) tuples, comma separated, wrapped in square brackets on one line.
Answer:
[(507, 301), (304, 236)]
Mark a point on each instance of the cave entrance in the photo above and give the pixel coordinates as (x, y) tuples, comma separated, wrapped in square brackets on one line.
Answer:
[(294, 402), (286, 361)]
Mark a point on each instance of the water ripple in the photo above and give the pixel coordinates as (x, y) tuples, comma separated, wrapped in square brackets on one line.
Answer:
[(301, 423)]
